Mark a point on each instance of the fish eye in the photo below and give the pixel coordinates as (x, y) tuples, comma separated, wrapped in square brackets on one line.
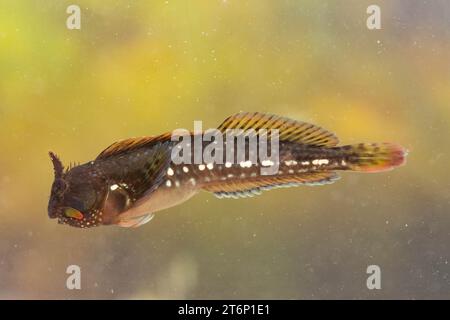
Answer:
[(73, 213)]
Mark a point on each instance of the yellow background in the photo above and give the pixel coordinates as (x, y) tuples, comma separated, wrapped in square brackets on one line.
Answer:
[(145, 67)]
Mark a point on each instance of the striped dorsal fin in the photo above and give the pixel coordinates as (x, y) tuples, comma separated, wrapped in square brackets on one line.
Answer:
[(126, 145), (289, 130)]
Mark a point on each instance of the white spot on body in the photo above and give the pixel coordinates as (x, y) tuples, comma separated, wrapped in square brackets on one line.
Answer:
[(210, 166), (201, 167), (185, 169), (245, 164), (170, 172), (168, 183), (228, 164), (267, 163), (113, 187), (320, 161), (290, 162)]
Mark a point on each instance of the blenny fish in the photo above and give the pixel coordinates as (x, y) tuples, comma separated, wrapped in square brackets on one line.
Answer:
[(133, 178)]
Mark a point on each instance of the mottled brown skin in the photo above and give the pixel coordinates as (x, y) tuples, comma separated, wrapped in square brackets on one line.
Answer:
[(132, 179), (86, 187), (83, 188)]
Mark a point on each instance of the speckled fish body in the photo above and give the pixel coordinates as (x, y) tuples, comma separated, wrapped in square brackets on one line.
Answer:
[(133, 178), (234, 179)]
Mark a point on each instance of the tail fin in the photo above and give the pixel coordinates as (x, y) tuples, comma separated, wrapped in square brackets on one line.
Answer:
[(374, 157)]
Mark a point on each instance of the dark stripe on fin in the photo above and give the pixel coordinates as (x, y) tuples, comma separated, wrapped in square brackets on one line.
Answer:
[(289, 130), (241, 189)]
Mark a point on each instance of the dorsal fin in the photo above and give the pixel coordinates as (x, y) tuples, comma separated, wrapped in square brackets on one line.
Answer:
[(289, 130), (250, 187), (130, 144)]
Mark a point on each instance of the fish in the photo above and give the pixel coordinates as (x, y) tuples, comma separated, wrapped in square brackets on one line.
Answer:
[(133, 178)]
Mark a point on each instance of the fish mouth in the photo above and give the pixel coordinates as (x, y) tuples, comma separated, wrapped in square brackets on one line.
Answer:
[(52, 215), (67, 221), (61, 218)]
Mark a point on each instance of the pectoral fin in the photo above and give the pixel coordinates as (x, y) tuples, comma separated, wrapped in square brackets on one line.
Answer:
[(135, 222)]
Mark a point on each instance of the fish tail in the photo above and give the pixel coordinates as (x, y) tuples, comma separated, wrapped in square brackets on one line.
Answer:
[(373, 157)]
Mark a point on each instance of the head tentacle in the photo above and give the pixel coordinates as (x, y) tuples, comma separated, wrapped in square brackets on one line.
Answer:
[(58, 167)]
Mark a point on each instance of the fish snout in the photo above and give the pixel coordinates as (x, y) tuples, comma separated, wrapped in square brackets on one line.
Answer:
[(53, 212)]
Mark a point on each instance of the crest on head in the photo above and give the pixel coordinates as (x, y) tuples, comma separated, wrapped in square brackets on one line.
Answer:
[(58, 167)]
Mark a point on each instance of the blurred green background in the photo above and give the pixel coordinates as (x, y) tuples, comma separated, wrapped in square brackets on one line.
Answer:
[(145, 67)]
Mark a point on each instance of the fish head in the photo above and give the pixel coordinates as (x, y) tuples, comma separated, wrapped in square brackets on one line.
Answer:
[(77, 195)]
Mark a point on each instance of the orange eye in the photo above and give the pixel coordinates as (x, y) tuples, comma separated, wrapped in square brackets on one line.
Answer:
[(73, 213)]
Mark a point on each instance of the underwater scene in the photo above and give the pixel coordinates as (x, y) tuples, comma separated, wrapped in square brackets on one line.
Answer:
[(122, 175)]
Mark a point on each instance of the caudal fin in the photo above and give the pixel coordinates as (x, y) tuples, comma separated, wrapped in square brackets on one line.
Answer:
[(374, 157)]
